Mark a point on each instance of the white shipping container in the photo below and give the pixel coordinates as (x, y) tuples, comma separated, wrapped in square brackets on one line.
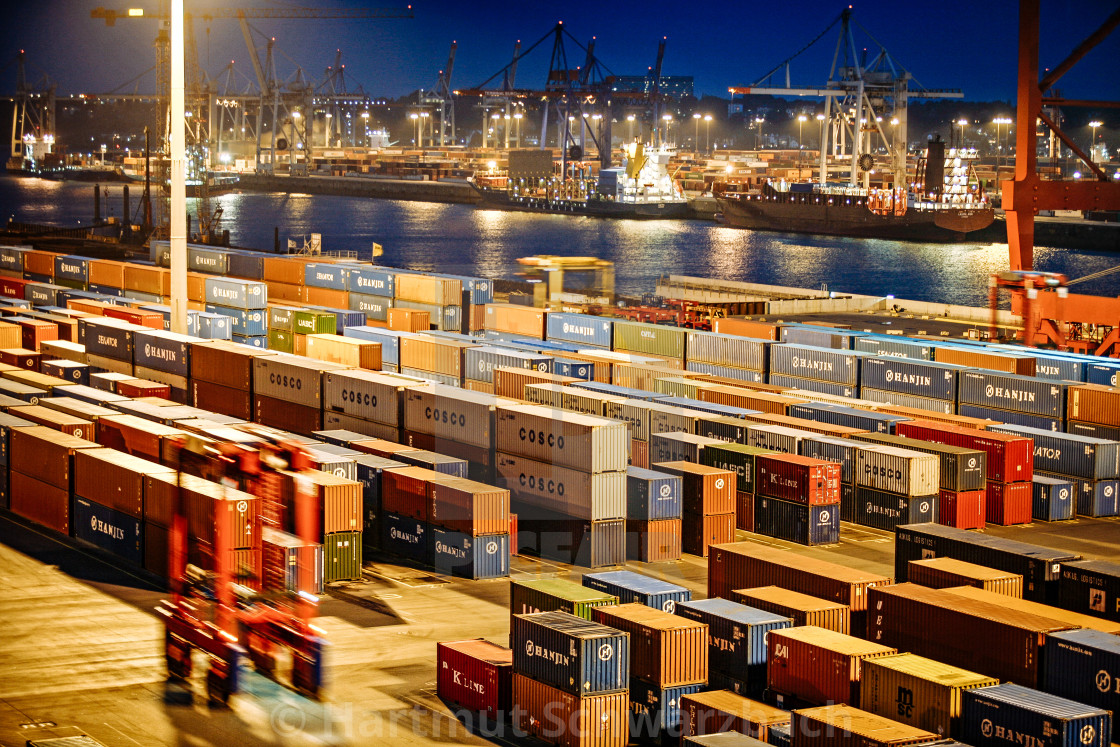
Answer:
[(365, 395), (897, 470), (635, 413), (548, 395), (583, 442), (582, 495), (452, 413), (777, 438)]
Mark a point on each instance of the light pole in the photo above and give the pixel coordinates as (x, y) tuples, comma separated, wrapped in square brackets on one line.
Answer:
[(801, 119), (695, 132), (708, 133), (1094, 124), (424, 122), (963, 123), (758, 121), (416, 127), (517, 120), (327, 130), (365, 126), (494, 118), (999, 122), (668, 122)]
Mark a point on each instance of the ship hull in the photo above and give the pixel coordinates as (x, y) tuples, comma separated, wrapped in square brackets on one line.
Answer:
[(810, 213), (501, 200)]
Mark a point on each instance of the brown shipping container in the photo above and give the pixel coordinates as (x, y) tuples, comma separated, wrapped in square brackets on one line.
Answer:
[(515, 319), (55, 420), (143, 388), (134, 435), (114, 479), (41, 502), (36, 379), (744, 511), (815, 665), (980, 636), (801, 608), (699, 533), (346, 351), (283, 270), (106, 272), (205, 504), (743, 565), (39, 262), (478, 386), (284, 415), (1093, 403), (1038, 609), (665, 649), (405, 491), (704, 490), (576, 493), (429, 289), (468, 506), (718, 711), (639, 453), (409, 320), (339, 500), (45, 454), (991, 360), (746, 328), (559, 718), (653, 541), (845, 726), (37, 331), (153, 280), (477, 676), (22, 358), (329, 297), (827, 429), (764, 401), (940, 573), (340, 422), (225, 363), (511, 382), (157, 541), (237, 403), (285, 292)]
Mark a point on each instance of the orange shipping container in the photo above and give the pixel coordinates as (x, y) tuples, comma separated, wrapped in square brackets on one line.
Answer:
[(986, 358), (433, 354), (801, 608), (11, 335), (942, 573), (511, 382), (286, 292), (156, 280), (429, 289), (39, 262), (751, 399), (283, 270), (515, 319), (345, 350), (815, 665), (329, 297), (746, 328), (665, 649), (722, 710), (1093, 403), (569, 720), (55, 420), (409, 320), (106, 272), (196, 286)]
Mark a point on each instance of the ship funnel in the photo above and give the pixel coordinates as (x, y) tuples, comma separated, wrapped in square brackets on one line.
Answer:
[(935, 166)]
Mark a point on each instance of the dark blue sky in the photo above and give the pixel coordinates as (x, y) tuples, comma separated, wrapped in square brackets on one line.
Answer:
[(948, 44)]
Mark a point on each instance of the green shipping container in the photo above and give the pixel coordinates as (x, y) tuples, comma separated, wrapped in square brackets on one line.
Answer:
[(654, 339), (281, 341), (918, 691), (552, 594), (739, 458), (678, 387), (280, 317), (73, 284), (342, 557), (307, 322)]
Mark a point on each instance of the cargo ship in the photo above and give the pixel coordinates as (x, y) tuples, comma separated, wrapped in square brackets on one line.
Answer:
[(943, 204), (641, 188)]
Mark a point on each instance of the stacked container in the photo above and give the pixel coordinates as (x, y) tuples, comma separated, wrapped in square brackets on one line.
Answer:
[(222, 377), (941, 573), (1012, 712), (802, 609), (555, 594), (245, 302), (570, 679), (41, 472), (797, 499), (288, 392), (479, 364), (477, 676), (366, 402), (894, 486), (470, 528), (809, 665), (720, 711), (456, 422), (707, 502), (1008, 398), (1091, 587), (1084, 666), (632, 587), (440, 296), (668, 660), (371, 291), (653, 515), (816, 369), (889, 379), (845, 726), (727, 355), (740, 459)]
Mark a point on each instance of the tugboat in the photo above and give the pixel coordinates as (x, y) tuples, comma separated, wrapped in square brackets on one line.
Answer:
[(642, 188), (944, 203)]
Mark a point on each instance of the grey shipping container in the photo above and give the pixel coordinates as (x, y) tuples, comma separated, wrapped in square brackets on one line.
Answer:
[(815, 385), (727, 350), (796, 522), (365, 394), (479, 363), (776, 438), (550, 487), (883, 510), (678, 446), (738, 458), (945, 406), (882, 346), (825, 337), (1091, 587), (574, 655), (1014, 417), (652, 495), (736, 633), (655, 712), (959, 469), (850, 417), (822, 364), (1084, 666), (1098, 498), (1013, 714), (837, 450), (919, 378), (730, 372), (1070, 454), (460, 554), (1011, 392), (584, 329), (634, 587), (1053, 498), (897, 470)]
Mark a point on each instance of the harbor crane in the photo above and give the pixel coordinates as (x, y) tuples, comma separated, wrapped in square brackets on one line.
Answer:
[(32, 117), (859, 95), (442, 100)]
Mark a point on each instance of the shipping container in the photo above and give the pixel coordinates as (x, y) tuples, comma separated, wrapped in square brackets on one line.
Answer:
[(846, 726), (894, 347), (817, 665), (737, 634), (959, 469), (583, 329), (1052, 498), (1015, 393), (476, 675), (727, 350), (897, 470), (379, 281), (560, 718), (290, 563), (797, 522), (738, 458), (405, 536), (986, 358), (556, 536), (1084, 666), (652, 495), (701, 531), (576, 493), (577, 656), (705, 491), (796, 478), (962, 510), (1021, 715), (110, 530), (985, 637), (885, 510), (653, 541), (802, 609), (555, 594), (678, 446), (282, 414), (469, 507), (1091, 587), (653, 339), (655, 711), (1097, 497), (342, 556), (46, 454), (452, 413), (665, 650), (777, 438), (816, 363), (914, 377), (1009, 457), (849, 417), (839, 451), (567, 439), (632, 587), (941, 573), (476, 557), (1007, 504), (42, 502), (236, 293), (720, 711)]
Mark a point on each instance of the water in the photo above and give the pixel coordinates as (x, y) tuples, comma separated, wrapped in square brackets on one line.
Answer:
[(468, 240)]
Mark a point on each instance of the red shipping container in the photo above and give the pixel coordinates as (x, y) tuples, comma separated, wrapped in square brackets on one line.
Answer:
[(37, 331), (513, 546), (405, 491), (796, 478), (42, 503), (23, 358), (13, 287), (816, 665), (143, 388), (1010, 458), (236, 403), (744, 511), (700, 532), (281, 414), (468, 506), (963, 510), (1009, 503), (476, 675), (151, 319)]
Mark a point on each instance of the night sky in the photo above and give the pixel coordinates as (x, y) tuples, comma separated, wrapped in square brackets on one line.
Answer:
[(948, 44)]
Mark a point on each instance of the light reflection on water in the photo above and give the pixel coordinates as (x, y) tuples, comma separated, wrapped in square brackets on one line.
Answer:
[(468, 240)]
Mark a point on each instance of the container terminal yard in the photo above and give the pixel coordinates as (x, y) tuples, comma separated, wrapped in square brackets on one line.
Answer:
[(263, 498)]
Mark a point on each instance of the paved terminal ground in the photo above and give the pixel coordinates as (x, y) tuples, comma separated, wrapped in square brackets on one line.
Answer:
[(82, 651)]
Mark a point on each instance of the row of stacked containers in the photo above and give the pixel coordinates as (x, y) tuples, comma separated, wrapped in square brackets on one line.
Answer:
[(583, 655)]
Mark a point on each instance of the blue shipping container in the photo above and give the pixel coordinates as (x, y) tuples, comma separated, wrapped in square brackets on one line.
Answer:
[(1084, 666), (919, 378), (574, 369), (460, 554), (374, 307), (255, 341), (875, 422), (1069, 453), (1010, 416), (1016, 393), (728, 372), (319, 275), (634, 587), (795, 522), (820, 364), (406, 537), (736, 633), (1011, 714), (163, 351), (244, 322), (584, 329), (656, 711), (1106, 374), (893, 347), (108, 529), (1098, 498), (248, 265), (237, 294), (569, 653), (1053, 498), (652, 495), (883, 510), (1107, 432), (214, 326), (838, 450), (70, 267), (374, 281), (42, 294)]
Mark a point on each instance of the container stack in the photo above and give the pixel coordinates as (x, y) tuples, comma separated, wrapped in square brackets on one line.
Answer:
[(288, 392), (366, 402), (436, 358), (816, 369), (1032, 716), (814, 666), (371, 291), (457, 423), (894, 486), (727, 355), (962, 478), (737, 642), (1091, 464), (40, 476), (668, 660), (797, 499), (911, 383), (245, 302), (802, 609), (570, 679), (942, 573), (634, 588), (109, 343), (470, 528), (440, 296), (566, 473), (1091, 587), (707, 504), (339, 503), (740, 459), (479, 364), (1009, 493), (678, 446), (719, 711), (653, 515)]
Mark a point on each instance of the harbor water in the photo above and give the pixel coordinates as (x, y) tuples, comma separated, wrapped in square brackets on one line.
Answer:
[(465, 239)]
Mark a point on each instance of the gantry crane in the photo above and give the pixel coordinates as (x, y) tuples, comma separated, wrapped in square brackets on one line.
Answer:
[(441, 99)]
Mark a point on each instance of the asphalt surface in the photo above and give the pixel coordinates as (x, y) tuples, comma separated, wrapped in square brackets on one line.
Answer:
[(82, 650)]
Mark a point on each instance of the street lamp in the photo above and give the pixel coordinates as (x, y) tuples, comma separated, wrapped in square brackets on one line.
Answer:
[(517, 120), (668, 121), (758, 121), (963, 123), (695, 132), (1094, 124), (998, 122), (327, 130), (630, 127), (801, 119), (707, 133), (416, 126)]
